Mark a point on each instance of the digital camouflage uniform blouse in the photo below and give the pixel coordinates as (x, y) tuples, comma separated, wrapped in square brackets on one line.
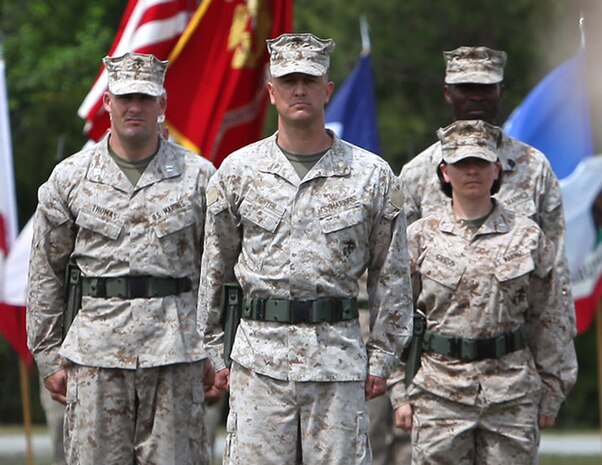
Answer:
[(285, 238), (90, 212)]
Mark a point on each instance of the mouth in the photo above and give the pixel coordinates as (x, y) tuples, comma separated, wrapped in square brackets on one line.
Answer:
[(299, 104), (134, 120), (476, 111), (472, 184)]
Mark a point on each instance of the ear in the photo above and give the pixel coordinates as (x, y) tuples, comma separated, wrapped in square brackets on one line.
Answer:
[(106, 101), (163, 103), (329, 91), (443, 168), (270, 86), (498, 169), (447, 94)]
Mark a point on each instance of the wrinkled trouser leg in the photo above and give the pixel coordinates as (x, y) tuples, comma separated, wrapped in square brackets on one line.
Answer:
[(449, 433), (266, 416), (150, 416)]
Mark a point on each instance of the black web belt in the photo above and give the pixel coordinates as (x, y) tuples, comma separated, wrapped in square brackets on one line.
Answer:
[(134, 287), (477, 348), (300, 311)]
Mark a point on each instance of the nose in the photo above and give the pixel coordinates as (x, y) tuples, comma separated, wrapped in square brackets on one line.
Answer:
[(299, 88), (476, 96)]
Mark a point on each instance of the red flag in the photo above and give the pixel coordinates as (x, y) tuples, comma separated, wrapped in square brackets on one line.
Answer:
[(12, 319), (12, 327), (216, 93), (147, 26)]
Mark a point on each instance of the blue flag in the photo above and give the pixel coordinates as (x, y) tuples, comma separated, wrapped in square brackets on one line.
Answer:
[(555, 117), (351, 113)]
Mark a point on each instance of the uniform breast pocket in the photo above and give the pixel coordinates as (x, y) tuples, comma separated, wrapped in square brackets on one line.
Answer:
[(176, 222), (342, 220), (513, 278), (176, 234), (442, 270), (92, 225), (255, 214)]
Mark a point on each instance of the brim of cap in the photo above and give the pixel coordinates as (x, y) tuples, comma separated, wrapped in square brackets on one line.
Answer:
[(136, 87), (462, 153), (473, 78), (297, 67)]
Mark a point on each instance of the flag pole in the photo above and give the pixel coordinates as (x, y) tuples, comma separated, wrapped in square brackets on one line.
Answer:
[(582, 29), (26, 401)]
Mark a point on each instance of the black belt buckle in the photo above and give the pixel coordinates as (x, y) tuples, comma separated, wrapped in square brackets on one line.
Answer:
[(486, 348), (299, 311), (137, 286)]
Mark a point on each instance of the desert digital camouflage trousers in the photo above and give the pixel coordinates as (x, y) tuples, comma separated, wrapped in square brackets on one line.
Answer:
[(148, 416), (274, 422), (449, 433)]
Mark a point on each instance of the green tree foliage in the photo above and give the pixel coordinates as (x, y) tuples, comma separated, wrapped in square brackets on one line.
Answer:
[(408, 38), (53, 51)]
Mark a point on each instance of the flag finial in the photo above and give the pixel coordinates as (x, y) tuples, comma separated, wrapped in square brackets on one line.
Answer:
[(365, 34)]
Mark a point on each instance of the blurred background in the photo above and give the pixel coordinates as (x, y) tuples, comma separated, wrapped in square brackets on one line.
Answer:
[(52, 52)]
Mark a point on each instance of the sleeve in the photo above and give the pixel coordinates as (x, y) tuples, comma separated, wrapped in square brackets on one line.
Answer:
[(389, 292), (551, 221), (222, 246), (550, 330), (411, 202), (397, 387), (53, 243)]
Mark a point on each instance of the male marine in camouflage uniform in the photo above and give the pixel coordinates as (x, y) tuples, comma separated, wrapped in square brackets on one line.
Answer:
[(296, 219), (129, 213), (498, 358)]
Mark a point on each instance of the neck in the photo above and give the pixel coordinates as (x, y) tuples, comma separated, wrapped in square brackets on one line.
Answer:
[(303, 140), (133, 149), (471, 209)]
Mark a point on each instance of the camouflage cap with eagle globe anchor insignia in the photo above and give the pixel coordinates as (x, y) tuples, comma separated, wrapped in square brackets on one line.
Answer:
[(469, 139), (474, 65), (136, 73), (299, 53)]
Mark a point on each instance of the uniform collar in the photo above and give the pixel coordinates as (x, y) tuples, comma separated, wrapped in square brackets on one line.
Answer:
[(103, 168), (335, 162), (497, 223)]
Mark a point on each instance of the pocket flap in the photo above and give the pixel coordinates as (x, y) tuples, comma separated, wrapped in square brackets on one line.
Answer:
[(342, 219), (87, 220), (442, 269), (259, 215), (174, 222), (512, 269)]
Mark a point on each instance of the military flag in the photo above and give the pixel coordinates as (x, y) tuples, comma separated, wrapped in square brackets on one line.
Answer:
[(216, 79), (351, 113), (147, 26), (12, 317), (555, 118), (582, 197)]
